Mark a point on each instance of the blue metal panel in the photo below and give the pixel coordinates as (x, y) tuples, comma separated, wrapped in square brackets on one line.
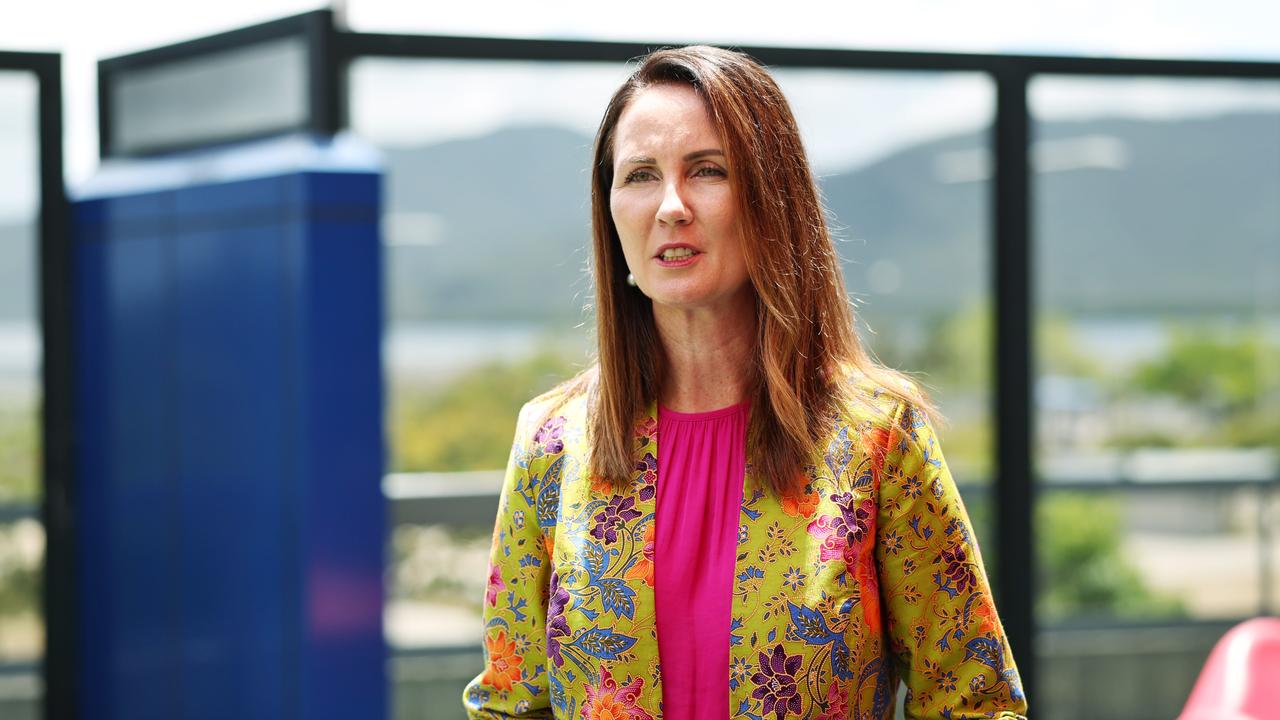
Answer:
[(229, 343), (91, 338), (127, 489), (345, 514), (139, 413), (231, 450)]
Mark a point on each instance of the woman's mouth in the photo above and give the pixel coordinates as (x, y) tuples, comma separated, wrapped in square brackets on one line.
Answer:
[(677, 257)]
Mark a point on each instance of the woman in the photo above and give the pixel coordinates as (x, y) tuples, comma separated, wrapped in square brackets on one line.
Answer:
[(735, 488)]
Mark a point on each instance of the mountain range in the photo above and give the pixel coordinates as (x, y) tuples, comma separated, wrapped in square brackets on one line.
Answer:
[(1130, 216)]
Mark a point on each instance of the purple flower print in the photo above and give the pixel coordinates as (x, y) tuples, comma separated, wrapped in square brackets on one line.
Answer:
[(557, 626), (958, 568), (842, 535), (549, 435), (615, 515), (820, 528), (495, 585), (776, 682), (647, 466), (853, 522)]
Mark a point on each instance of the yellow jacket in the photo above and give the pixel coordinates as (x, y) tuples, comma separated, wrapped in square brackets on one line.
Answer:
[(869, 576)]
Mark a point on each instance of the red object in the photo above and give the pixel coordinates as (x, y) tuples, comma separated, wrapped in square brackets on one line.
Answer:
[(1241, 680)]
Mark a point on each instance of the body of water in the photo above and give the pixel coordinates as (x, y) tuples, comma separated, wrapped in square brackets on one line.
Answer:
[(435, 348), (437, 351)]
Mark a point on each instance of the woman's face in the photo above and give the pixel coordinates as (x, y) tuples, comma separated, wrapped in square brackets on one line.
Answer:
[(673, 201)]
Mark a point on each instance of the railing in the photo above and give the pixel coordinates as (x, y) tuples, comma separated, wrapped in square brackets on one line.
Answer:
[(331, 50), (470, 498), (1118, 654), (465, 498)]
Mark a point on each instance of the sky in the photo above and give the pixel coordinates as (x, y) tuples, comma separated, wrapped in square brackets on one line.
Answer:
[(85, 31)]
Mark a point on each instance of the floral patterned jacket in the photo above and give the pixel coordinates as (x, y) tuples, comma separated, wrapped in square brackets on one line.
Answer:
[(869, 576)]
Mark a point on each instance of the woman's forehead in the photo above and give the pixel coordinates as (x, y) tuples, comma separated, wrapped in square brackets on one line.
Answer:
[(664, 116)]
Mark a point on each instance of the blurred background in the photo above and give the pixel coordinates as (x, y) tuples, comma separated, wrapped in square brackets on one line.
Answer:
[(1156, 285)]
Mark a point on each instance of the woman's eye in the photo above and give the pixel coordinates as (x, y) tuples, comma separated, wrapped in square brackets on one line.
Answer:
[(709, 171), (638, 176)]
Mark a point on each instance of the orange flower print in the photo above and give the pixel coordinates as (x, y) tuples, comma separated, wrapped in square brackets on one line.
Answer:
[(876, 441), (601, 485), (645, 430), (803, 504), (609, 701), (504, 663), (986, 613), (605, 708), (643, 569), (869, 584)]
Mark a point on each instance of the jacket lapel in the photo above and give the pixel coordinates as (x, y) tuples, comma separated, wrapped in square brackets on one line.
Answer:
[(640, 576)]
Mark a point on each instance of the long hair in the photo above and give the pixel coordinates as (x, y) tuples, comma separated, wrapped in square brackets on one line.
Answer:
[(806, 342)]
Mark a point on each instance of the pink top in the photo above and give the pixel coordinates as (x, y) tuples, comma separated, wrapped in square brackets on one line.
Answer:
[(701, 469)]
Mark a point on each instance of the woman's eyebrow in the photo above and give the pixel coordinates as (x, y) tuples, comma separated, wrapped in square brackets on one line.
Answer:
[(695, 155), (699, 154)]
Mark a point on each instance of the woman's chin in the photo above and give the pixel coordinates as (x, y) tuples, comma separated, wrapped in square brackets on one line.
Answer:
[(686, 298)]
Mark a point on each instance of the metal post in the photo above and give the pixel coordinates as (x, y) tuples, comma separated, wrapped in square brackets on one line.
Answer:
[(57, 417), (1014, 496), (1267, 493)]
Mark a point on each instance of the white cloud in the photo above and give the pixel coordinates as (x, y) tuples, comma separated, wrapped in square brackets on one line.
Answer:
[(412, 101), (86, 30), (1075, 98)]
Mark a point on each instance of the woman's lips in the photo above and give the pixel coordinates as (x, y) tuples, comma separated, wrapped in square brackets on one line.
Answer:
[(678, 262)]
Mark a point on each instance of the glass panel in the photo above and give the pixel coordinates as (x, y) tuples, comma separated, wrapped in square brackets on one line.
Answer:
[(21, 534), (486, 225), (903, 163), (1158, 379), (486, 231), (221, 96), (1269, 524)]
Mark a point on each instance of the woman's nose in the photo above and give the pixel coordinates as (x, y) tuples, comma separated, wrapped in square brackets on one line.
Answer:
[(673, 210)]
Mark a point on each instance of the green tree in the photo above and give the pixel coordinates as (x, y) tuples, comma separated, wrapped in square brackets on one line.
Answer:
[(1084, 572), (19, 453), (1231, 374), (468, 423), (19, 483), (1221, 370), (958, 348)]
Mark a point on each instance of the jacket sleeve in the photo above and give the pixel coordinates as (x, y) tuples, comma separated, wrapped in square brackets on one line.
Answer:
[(514, 682), (943, 629)]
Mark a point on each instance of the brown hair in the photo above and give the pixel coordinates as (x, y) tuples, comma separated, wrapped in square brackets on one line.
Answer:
[(806, 341)]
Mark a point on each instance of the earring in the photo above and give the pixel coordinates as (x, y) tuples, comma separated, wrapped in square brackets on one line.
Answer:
[(631, 279)]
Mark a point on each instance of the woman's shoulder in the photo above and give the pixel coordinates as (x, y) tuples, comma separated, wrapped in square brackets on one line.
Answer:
[(880, 399), (560, 409), (888, 409)]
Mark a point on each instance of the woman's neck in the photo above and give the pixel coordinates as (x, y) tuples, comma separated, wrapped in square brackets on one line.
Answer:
[(708, 355)]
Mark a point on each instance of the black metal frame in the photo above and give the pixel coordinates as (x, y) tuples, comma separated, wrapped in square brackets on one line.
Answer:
[(326, 97), (1010, 210), (333, 50), (57, 430)]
